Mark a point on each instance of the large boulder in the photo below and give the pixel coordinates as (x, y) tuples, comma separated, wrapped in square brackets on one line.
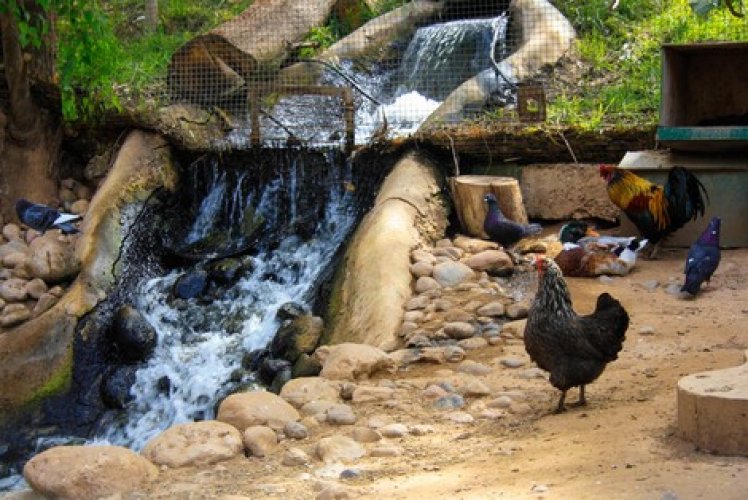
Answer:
[(77, 472), (245, 409), (352, 361), (194, 443), (303, 390), (373, 282)]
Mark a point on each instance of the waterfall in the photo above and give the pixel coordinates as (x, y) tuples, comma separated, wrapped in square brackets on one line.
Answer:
[(438, 58), (442, 56), (201, 345)]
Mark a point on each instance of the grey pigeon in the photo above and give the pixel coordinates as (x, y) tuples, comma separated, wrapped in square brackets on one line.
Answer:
[(502, 230), (43, 218), (703, 258)]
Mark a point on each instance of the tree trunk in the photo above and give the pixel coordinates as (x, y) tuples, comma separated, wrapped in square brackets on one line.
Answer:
[(28, 155), (468, 192), (248, 49), (151, 15)]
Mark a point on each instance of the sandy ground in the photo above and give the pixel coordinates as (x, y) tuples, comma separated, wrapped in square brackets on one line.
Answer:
[(623, 444)]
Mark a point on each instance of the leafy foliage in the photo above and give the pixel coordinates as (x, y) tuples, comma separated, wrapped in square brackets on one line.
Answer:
[(622, 49)]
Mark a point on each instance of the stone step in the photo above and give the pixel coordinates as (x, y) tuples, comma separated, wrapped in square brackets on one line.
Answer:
[(713, 410)]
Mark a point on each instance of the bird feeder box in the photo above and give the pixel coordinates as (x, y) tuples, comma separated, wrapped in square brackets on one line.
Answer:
[(704, 104)]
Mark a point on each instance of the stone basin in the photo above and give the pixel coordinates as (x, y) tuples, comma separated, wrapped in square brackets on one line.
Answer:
[(713, 410)]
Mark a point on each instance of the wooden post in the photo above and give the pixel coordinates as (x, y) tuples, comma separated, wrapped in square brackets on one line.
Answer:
[(254, 112), (468, 192)]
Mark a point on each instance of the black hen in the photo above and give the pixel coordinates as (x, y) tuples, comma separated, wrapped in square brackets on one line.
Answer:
[(43, 218), (574, 349), (703, 258), (502, 230)]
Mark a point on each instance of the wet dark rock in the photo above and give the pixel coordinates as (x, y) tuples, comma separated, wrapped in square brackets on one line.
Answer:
[(306, 366), (252, 360), (280, 380), (191, 284), (305, 227), (227, 271), (163, 385), (115, 389), (270, 367), (297, 336), (133, 336), (289, 310)]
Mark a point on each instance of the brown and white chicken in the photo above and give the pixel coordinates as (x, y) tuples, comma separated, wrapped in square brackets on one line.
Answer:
[(573, 348)]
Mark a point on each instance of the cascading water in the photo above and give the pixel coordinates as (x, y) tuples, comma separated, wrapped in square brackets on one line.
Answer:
[(437, 59), (202, 341), (201, 345)]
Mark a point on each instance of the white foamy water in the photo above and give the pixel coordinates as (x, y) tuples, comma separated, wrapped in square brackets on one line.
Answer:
[(199, 360)]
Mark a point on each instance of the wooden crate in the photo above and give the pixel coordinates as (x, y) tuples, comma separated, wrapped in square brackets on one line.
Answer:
[(704, 104)]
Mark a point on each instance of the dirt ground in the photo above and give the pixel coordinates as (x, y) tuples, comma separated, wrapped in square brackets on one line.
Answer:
[(623, 444)]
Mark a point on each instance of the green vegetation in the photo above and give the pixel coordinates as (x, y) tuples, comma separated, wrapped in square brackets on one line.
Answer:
[(105, 53), (622, 50)]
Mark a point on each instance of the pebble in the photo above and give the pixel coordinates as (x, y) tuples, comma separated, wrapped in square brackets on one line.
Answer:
[(473, 367), (421, 429), (393, 430), (386, 450), (475, 388), (454, 354), (421, 268), (495, 308), (512, 362), (531, 373), (352, 473), (295, 430), (365, 435), (295, 456), (646, 330), (426, 283), (473, 343), (606, 279), (449, 402), (540, 488), (460, 417), (650, 285), (340, 414), (459, 330), (500, 402)]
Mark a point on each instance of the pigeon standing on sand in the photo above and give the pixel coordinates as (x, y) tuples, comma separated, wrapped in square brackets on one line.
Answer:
[(502, 230), (43, 218), (703, 259)]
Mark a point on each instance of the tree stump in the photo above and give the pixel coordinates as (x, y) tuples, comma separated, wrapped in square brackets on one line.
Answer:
[(468, 192)]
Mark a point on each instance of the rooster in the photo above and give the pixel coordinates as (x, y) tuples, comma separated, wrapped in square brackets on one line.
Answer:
[(657, 211), (574, 349)]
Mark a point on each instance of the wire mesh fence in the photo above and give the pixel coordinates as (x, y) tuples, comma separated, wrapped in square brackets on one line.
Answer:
[(346, 71)]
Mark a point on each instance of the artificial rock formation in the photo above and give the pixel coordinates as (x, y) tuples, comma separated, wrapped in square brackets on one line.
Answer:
[(373, 280), (36, 357)]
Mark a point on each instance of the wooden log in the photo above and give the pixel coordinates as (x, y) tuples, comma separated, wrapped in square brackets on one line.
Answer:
[(250, 46), (467, 195)]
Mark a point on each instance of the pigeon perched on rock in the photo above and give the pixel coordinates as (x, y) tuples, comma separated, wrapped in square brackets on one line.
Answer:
[(703, 259), (42, 218), (502, 230)]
